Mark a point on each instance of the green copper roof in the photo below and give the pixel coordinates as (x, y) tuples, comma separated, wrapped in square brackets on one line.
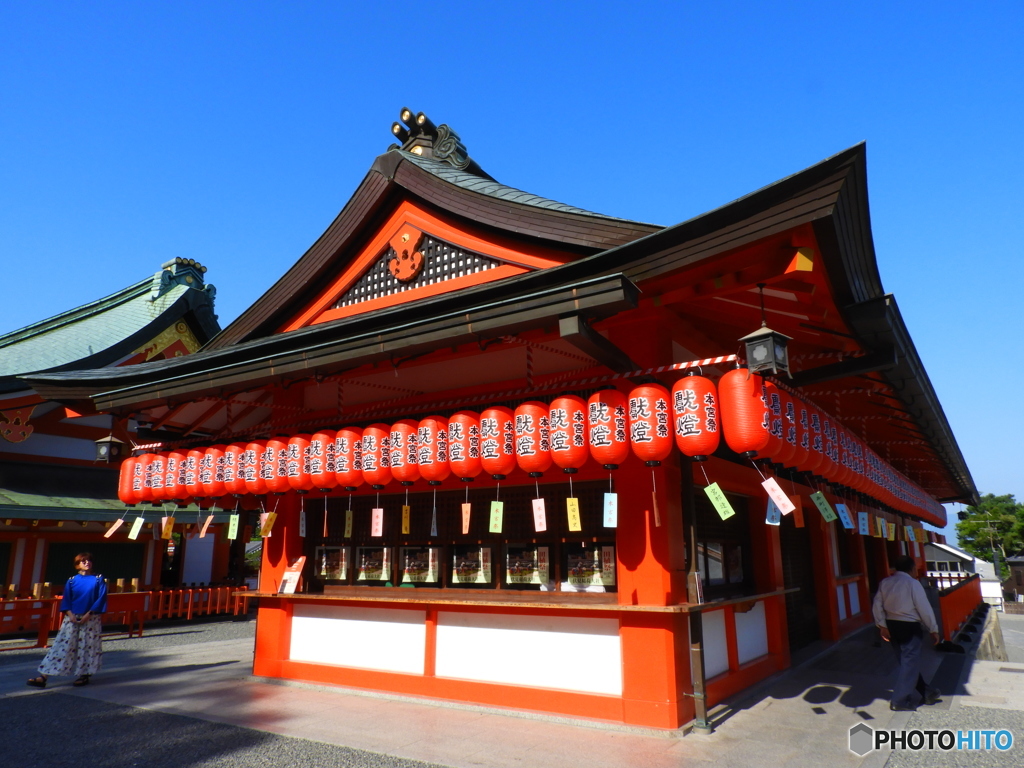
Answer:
[(103, 331)]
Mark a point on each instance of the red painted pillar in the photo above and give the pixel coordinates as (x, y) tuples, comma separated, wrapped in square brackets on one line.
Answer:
[(823, 560), (274, 618)]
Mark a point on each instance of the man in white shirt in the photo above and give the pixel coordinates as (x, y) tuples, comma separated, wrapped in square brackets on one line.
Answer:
[(899, 609)]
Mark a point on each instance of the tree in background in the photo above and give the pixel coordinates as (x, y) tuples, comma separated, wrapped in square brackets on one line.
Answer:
[(994, 525)]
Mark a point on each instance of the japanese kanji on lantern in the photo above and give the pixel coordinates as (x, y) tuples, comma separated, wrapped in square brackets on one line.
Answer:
[(156, 469), (497, 442), (193, 468), (608, 428), (464, 445), (234, 477), (254, 467), (795, 425), (321, 460), (297, 463), (695, 416), (432, 434), (533, 438), (377, 455), (348, 458), (776, 449), (125, 481), (277, 449), (211, 472), (140, 489), (567, 417), (405, 460), (649, 432)]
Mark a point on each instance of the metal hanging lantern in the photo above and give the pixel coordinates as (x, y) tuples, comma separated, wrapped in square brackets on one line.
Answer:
[(109, 449), (767, 350)]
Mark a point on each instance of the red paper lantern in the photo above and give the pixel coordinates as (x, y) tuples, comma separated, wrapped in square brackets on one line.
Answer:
[(377, 455), (744, 415), (256, 468), (497, 441), (649, 431), (234, 479), (211, 472), (567, 419), (533, 438), (792, 430), (405, 452), (802, 416), (608, 428), (777, 450), (277, 455), (321, 460), (348, 458), (157, 474), (830, 470), (432, 434), (695, 416), (125, 481), (816, 458), (297, 464), (193, 466), (464, 445)]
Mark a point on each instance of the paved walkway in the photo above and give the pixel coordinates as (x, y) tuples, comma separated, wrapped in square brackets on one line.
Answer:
[(199, 706)]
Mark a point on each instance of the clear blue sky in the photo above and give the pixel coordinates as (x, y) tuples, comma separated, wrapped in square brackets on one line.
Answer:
[(233, 133)]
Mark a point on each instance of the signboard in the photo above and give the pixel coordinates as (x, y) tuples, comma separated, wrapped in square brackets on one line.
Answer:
[(373, 563), (472, 566), (419, 564), (527, 565)]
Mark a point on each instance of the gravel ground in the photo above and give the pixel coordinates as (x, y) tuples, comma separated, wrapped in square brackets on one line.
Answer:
[(55, 730), (163, 635)]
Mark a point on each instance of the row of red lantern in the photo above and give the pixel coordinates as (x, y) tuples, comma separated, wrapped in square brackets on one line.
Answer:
[(762, 420), (533, 437)]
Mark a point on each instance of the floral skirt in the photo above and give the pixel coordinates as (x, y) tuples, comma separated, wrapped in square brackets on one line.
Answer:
[(75, 650)]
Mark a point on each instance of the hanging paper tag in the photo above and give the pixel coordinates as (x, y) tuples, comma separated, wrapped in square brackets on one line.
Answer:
[(540, 517), (863, 528), (348, 523), (798, 511), (302, 523), (206, 524), (405, 519), (823, 506), (267, 526), (719, 501), (136, 527), (890, 531), (844, 516), (466, 508), (657, 511), (233, 527), (168, 527), (110, 531), (497, 511), (880, 527), (910, 533), (572, 508), (377, 521), (611, 510), (433, 525), (774, 515), (776, 494)]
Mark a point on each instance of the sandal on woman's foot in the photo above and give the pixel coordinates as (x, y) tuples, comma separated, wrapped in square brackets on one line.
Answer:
[(37, 682), (82, 680)]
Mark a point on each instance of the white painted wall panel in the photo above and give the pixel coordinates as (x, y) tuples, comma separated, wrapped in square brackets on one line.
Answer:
[(841, 600), (751, 634), (198, 565), (568, 653), (716, 649), (854, 598), (387, 639)]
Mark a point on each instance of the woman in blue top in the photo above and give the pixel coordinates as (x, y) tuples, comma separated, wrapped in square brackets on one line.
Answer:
[(76, 649)]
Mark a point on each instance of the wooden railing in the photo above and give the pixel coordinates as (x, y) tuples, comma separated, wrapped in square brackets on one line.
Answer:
[(957, 603), (41, 616)]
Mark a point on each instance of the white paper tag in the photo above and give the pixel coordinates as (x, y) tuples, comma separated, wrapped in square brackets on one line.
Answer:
[(540, 518), (377, 522), (611, 510), (136, 527), (862, 524), (777, 495)]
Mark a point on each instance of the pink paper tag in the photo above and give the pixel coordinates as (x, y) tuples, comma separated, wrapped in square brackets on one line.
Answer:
[(777, 495), (540, 518), (377, 522), (206, 525), (110, 531), (465, 517)]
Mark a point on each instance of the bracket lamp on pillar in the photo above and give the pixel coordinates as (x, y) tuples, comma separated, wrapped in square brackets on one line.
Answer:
[(766, 350), (109, 449)]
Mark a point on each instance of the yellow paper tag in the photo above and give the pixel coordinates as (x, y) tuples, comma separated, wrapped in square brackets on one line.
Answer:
[(572, 507), (890, 531), (168, 528), (405, 518), (719, 501), (136, 527), (268, 524), (348, 523), (497, 511), (233, 527)]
